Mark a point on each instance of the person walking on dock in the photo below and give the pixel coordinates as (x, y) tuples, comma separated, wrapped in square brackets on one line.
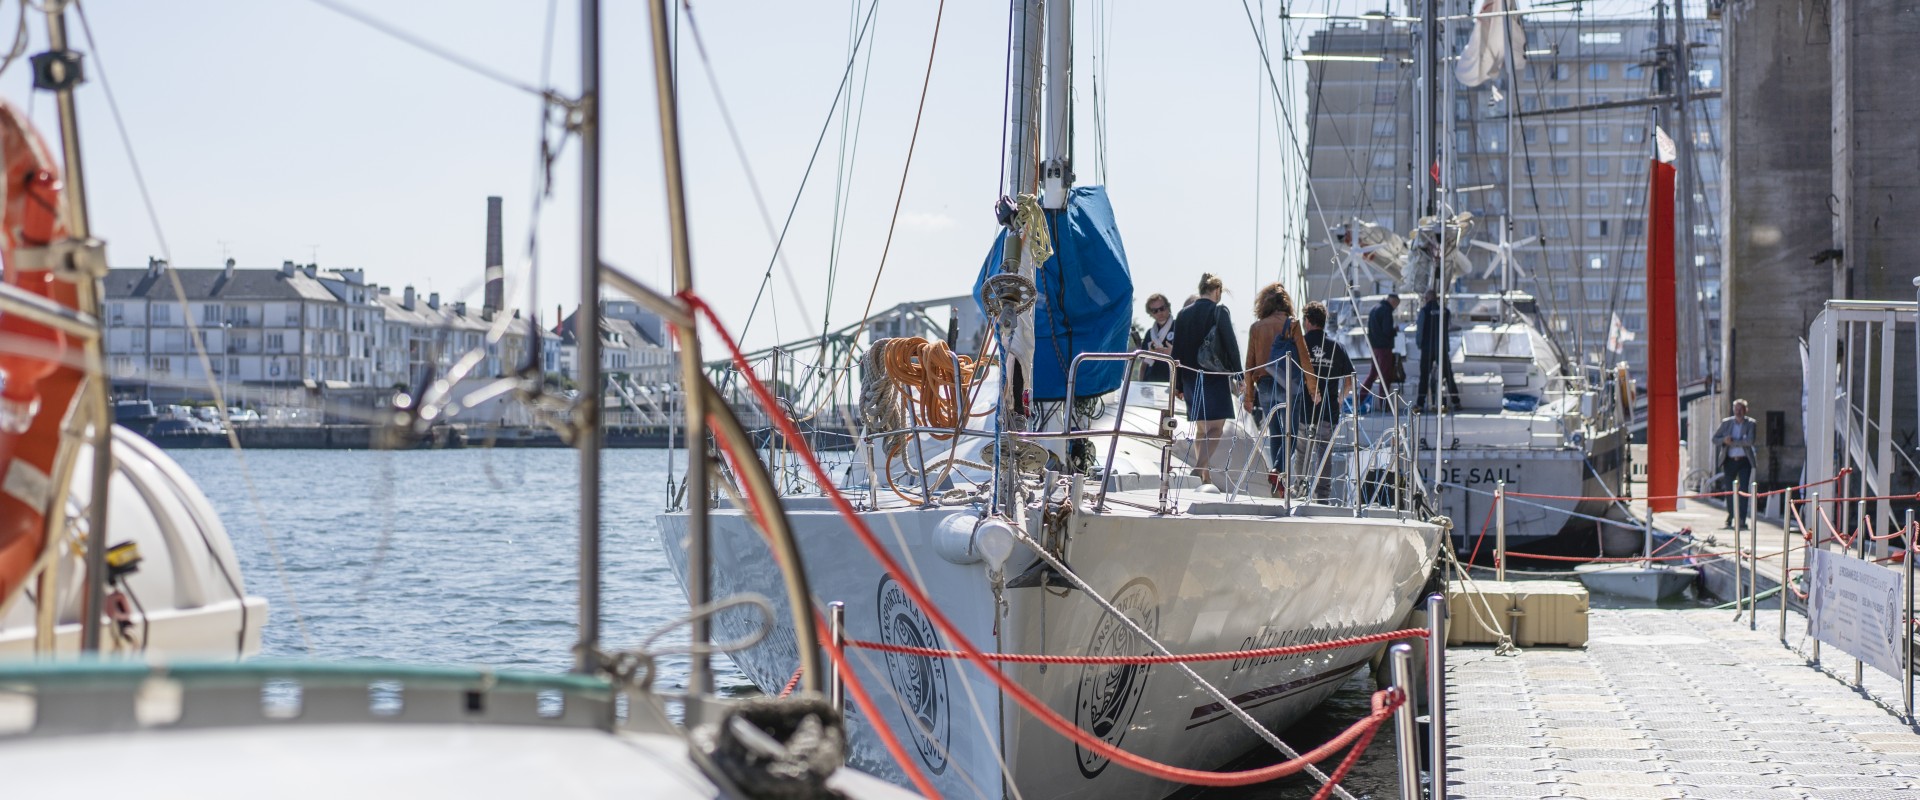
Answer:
[(1432, 335), (1335, 371), (1276, 348), (1209, 352), (1158, 338), (1735, 440), (1382, 330)]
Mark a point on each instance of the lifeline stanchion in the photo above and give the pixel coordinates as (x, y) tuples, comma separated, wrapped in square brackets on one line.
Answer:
[(1437, 690), (1786, 578), (1753, 562), (837, 630), (1860, 538), (1500, 531), (1408, 742), (1820, 544), (1739, 558), (1906, 686)]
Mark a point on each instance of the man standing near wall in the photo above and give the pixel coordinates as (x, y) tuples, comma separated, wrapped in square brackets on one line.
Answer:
[(1735, 440)]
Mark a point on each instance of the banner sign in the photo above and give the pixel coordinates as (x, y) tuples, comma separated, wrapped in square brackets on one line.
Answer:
[(1855, 605)]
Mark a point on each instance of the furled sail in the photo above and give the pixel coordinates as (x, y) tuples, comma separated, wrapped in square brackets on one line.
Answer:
[(1085, 300)]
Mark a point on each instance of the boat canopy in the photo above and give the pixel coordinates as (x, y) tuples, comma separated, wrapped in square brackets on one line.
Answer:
[(1086, 297)]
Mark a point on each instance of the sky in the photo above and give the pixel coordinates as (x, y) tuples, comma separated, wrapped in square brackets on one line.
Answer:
[(277, 130)]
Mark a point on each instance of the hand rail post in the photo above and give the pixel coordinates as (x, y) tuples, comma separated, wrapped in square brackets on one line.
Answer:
[(1753, 566), (1906, 639), (1860, 551), (837, 631), (1739, 550), (1437, 690), (1815, 543), (1407, 744), (1786, 546), (1499, 528)]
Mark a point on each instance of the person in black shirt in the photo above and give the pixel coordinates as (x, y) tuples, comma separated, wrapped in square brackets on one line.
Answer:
[(1335, 373), (1382, 331), (1205, 346), (1432, 334)]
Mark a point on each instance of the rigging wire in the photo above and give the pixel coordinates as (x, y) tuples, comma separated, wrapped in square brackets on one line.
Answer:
[(421, 44), (820, 140)]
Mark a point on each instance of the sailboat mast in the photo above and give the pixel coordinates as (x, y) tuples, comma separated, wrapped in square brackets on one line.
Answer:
[(61, 73), (586, 331), (692, 382), (1056, 172), (1014, 323)]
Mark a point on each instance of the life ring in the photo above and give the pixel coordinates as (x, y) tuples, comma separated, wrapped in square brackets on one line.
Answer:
[(42, 369)]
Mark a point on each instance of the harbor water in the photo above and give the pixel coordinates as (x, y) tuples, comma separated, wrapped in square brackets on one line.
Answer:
[(470, 557)]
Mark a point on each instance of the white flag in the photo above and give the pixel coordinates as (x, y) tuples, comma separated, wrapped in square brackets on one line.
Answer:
[(1663, 149), (1618, 336), (1486, 53)]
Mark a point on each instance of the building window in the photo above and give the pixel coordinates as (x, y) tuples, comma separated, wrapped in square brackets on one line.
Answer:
[(1632, 199), (1559, 135), (1597, 134), (1561, 166), (1383, 96), (1562, 100), (1384, 127), (1561, 292), (1529, 228), (1596, 228), (1557, 198), (1633, 227), (1557, 260), (1633, 134), (1562, 72), (1557, 229), (1596, 261), (162, 314), (162, 365), (1383, 159), (210, 314), (1596, 166), (1636, 291), (1633, 71), (276, 342), (1597, 198), (1383, 192), (1597, 71), (1594, 290), (1633, 166), (1530, 102), (1597, 99)]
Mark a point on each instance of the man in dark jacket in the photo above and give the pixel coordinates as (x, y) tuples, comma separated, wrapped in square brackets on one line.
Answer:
[(1381, 333), (1432, 335)]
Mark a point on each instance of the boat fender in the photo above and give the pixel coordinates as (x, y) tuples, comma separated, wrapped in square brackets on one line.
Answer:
[(966, 539), (953, 538)]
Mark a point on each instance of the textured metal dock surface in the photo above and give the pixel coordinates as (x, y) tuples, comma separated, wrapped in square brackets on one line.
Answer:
[(1670, 703)]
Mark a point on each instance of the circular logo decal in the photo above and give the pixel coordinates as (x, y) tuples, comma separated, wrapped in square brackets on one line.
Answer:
[(920, 682), (1110, 694)]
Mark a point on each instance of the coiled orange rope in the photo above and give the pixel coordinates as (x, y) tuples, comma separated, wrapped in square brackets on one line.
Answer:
[(923, 375)]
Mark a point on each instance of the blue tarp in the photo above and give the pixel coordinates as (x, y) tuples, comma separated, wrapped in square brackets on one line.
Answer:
[(1086, 297)]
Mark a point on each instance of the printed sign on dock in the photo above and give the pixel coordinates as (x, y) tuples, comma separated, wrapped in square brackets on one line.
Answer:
[(1855, 605)]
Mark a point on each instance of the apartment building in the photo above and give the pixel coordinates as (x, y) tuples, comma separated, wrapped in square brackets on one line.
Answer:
[(254, 325), (1576, 174)]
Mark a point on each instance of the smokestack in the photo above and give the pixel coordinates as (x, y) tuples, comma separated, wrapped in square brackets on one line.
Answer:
[(496, 262)]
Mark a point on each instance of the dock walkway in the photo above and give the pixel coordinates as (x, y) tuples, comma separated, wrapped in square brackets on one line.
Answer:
[(1671, 703)]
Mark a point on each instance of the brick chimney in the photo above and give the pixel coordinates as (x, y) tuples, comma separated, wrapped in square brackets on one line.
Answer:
[(496, 260), (155, 266), (287, 268)]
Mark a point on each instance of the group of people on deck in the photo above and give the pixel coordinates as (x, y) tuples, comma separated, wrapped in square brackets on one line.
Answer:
[(1291, 377)]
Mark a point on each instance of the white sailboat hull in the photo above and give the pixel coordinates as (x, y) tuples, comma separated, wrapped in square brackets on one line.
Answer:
[(1221, 576)]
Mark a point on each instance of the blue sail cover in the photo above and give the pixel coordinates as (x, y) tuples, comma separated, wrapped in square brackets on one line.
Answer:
[(1086, 297)]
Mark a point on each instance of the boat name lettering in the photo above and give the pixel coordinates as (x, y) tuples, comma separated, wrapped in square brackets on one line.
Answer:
[(1269, 637)]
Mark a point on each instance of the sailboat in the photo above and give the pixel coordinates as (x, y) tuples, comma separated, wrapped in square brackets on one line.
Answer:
[(1034, 496), (1529, 416)]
